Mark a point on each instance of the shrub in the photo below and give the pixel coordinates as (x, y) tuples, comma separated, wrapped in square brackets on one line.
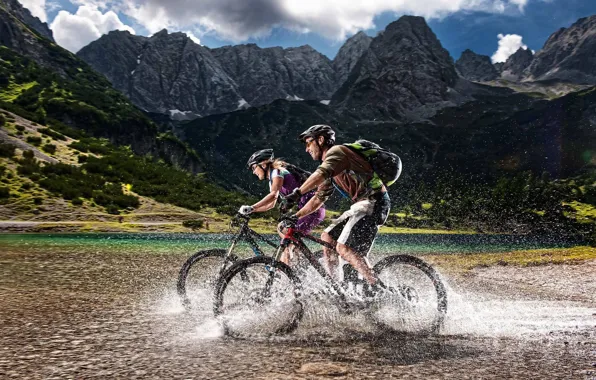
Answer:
[(37, 201), (52, 133), (2, 120), (6, 150), (28, 154), (20, 128), (112, 209), (82, 158), (4, 192), (194, 224), (80, 146), (77, 201), (34, 140), (49, 148), (26, 186)]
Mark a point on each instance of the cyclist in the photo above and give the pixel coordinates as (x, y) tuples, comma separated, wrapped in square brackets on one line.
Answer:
[(264, 166), (354, 232)]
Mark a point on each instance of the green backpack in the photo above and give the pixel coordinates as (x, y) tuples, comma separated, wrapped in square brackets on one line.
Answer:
[(386, 165)]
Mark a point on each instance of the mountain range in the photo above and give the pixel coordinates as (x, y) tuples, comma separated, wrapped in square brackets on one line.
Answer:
[(464, 142), (400, 87), (568, 55)]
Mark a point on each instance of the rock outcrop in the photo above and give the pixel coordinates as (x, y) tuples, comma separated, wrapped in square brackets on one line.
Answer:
[(349, 54), (476, 67), (264, 75), (163, 73), (569, 54), (24, 15), (514, 66), (404, 72)]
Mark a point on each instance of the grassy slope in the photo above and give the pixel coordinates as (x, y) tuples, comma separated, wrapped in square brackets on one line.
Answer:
[(29, 202)]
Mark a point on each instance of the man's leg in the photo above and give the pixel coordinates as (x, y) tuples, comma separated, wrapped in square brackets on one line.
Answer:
[(356, 241), (330, 255), (357, 261)]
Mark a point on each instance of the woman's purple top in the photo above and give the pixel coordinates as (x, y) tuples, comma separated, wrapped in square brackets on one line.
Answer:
[(290, 182)]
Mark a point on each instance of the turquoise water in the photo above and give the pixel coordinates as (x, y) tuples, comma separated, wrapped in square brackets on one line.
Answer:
[(188, 243)]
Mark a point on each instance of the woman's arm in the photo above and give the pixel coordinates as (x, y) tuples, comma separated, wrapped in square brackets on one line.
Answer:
[(269, 201)]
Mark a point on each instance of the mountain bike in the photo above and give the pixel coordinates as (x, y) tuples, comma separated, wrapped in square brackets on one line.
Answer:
[(263, 296)]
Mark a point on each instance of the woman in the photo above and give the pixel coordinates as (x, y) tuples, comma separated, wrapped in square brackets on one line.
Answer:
[(281, 181)]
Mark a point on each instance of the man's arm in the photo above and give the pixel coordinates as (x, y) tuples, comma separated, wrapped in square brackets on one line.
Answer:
[(311, 206), (312, 182), (334, 163)]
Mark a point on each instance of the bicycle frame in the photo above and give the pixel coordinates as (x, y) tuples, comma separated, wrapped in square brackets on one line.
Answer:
[(245, 233), (296, 237)]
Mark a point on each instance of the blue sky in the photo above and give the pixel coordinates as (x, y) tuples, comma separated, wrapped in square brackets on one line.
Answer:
[(457, 31)]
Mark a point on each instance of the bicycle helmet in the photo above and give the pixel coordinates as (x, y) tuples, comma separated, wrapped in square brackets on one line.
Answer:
[(319, 130), (260, 156)]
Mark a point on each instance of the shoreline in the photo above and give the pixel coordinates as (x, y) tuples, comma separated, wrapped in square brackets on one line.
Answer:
[(259, 225)]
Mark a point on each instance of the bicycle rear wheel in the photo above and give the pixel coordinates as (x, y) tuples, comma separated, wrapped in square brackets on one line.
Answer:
[(416, 300), (198, 276), (258, 297)]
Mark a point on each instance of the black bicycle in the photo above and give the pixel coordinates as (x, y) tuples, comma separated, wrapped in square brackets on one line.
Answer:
[(200, 272), (263, 296)]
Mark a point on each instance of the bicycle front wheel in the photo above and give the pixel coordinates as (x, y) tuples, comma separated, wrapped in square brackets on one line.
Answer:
[(416, 299), (198, 276), (258, 297)]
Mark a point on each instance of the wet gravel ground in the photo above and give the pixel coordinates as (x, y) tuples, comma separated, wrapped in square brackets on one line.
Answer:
[(102, 315)]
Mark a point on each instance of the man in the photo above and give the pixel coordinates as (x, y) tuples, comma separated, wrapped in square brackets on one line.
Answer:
[(354, 232)]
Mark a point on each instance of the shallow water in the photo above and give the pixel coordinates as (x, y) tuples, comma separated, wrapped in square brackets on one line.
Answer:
[(185, 243), (84, 306)]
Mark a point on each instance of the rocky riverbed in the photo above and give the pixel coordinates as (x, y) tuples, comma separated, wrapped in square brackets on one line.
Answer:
[(99, 314)]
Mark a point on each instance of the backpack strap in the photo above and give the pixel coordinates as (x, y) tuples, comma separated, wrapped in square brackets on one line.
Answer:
[(342, 192)]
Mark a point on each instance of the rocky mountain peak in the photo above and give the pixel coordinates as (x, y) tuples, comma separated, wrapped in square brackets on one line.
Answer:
[(267, 74), (349, 54), (476, 67), (514, 66), (23, 14), (164, 73), (161, 33), (569, 54), (404, 69)]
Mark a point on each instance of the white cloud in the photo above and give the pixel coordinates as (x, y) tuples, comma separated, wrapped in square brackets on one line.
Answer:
[(237, 20), (191, 35), (52, 6), (36, 7), (508, 44), (73, 31), (520, 3)]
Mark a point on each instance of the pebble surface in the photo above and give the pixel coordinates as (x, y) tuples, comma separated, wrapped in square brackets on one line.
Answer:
[(76, 315)]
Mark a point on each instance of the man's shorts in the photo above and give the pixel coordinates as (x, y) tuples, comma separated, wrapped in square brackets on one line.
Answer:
[(357, 228)]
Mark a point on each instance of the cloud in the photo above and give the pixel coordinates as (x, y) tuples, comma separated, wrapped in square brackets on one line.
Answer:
[(52, 6), (238, 20), (508, 44), (36, 7), (520, 3), (191, 35), (73, 31)]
